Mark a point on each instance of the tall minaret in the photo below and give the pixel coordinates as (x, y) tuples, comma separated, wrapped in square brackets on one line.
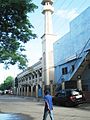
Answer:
[(47, 43)]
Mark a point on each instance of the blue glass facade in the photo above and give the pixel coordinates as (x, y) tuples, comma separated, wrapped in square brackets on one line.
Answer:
[(70, 50)]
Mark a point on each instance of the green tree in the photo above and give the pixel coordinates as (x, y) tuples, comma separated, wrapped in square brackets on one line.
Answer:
[(2, 87), (8, 83), (15, 31)]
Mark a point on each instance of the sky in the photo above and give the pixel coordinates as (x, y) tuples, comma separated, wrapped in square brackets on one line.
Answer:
[(64, 12)]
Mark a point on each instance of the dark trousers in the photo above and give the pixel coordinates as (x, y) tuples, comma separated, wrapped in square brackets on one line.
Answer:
[(46, 113)]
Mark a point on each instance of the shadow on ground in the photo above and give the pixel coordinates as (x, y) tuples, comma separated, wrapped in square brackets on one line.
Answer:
[(10, 116), (85, 106)]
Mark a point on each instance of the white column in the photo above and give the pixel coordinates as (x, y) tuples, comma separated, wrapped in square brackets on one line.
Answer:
[(17, 91), (27, 90), (36, 90), (79, 84), (51, 87), (31, 90), (43, 88), (48, 23), (63, 85)]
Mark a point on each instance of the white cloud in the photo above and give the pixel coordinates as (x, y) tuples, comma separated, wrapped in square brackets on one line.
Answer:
[(65, 14)]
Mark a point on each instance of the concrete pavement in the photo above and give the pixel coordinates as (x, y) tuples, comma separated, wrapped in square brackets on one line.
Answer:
[(34, 110)]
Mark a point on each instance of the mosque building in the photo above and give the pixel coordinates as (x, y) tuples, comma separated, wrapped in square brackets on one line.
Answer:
[(65, 62)]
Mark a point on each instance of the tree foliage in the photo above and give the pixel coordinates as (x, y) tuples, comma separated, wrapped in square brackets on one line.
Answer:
[(15, 30), (2, 87), (8, 83)]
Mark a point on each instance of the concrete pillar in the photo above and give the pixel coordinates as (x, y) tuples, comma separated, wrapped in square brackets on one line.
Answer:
[(63, 85), (43, 88), (24, 91), (19, 91), (27, 90), (36, 90), (31, 90), (51, 87), (40, 83), (79, 84), (15, 91)]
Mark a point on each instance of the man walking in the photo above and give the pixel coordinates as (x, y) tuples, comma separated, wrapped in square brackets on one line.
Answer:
[(48, 109)]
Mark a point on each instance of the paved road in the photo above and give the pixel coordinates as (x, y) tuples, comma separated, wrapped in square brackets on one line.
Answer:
[(25, 108)]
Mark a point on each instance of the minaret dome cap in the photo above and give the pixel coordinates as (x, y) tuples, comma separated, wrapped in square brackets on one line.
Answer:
[(44, 1)]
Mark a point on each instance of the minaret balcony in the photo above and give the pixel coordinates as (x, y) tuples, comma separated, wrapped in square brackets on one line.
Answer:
[(48, 8), (45, 1)]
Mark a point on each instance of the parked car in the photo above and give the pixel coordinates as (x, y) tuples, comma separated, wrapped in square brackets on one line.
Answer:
[(1, 92), (69, 97)]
